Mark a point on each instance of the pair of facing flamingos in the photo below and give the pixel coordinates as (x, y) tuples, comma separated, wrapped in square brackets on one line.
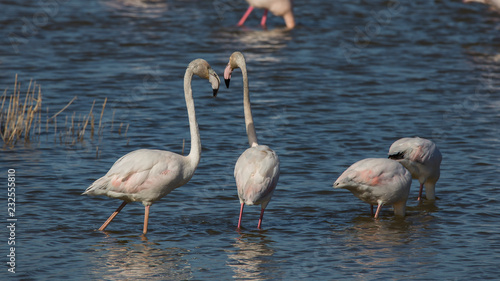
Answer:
[(147, 175)]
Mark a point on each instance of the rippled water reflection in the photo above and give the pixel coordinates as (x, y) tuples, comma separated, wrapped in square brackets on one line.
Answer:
[(323, 97)]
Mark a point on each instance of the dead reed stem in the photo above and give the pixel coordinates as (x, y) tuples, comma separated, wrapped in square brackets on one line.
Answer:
[(63, 108), (100, 118), (21, 116), (82, 132)]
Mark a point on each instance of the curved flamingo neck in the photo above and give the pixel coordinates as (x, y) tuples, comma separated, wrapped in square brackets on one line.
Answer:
[(252, 135), (195, 151)]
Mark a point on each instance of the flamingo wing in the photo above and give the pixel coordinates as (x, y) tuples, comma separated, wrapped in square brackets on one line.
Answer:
[(140, 175), (256, 173), (416, 149), (372, 179)]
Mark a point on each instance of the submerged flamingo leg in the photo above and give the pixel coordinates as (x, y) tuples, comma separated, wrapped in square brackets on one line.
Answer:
[(113, 215), (420, 192), (260, 219), (378, 210), (241, 215), (245, 16), (146, 219), (264, 19)]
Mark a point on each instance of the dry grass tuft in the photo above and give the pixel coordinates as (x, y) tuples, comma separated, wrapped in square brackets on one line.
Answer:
[(21, 119)]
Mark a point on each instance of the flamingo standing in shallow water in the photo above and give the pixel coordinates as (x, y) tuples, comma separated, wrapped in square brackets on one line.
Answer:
[(146, 175), (378, 181), (257, 169), (280, 8), (422, 158)]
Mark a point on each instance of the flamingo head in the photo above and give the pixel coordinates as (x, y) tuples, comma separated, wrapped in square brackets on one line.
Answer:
[(237, 60), (201, 68)]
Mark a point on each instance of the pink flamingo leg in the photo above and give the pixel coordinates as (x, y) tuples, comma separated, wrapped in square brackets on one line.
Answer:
[(264, 19), (260, 219), (241, 215), (146, 219), (420, 192), (378, 210), (245, 16), (113, 215)]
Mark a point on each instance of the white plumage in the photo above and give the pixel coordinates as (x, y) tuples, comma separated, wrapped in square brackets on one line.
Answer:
[(143, 175), (378, 181), (256, 173), (422, 158)]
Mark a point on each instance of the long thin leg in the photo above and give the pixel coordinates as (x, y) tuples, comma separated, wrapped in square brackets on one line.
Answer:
[(241, 215), (264, 19), (261, 216), (420, 192), (146, 219), (289, 20), (371, 210), (113, 215), (245, 16), (378, 210)]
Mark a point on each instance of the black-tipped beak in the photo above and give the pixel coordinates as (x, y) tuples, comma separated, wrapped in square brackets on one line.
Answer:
[(227, 82), (397, 156), (215, 92)]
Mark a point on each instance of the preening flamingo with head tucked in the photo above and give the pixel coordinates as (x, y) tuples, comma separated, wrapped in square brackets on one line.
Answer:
[(378, 181), (280, 8), (257, 169), (147, 175), (422, 158)]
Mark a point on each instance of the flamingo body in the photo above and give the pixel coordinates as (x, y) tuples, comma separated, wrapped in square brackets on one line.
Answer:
[(257, 170), (147, 175), (378, 181), (256, 173), (143, 175), (422, 158)]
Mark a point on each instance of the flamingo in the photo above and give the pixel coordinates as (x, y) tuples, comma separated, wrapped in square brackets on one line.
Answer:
[(257, 169), (422, 158), (378, 181), (147, 175), (280, 8), (495, 4)]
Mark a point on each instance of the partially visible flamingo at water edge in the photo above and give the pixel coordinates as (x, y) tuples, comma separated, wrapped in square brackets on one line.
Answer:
[(280, 8), (494, 4)]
